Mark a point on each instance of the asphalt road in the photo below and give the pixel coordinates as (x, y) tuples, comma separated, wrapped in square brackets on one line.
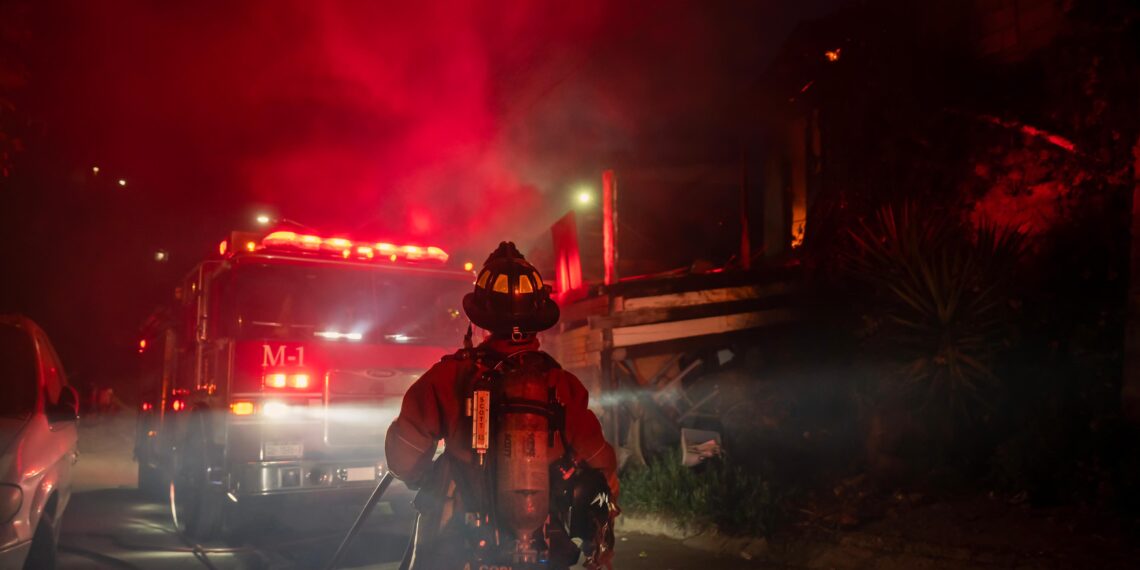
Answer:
[(117, 528), (109, 524)]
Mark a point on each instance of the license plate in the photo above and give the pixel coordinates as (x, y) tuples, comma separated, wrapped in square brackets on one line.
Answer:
[(360, 473), (279, 450)]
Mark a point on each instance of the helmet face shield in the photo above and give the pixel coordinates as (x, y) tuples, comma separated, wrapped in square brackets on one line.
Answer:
[(509, 294)]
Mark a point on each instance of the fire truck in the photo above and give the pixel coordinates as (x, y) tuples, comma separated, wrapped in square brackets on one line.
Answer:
[(280, 364)]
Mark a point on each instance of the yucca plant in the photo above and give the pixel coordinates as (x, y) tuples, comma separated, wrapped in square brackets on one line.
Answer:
[(940, 308)]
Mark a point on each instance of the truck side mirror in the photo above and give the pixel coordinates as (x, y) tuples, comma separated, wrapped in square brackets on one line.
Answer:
[(66, 409)]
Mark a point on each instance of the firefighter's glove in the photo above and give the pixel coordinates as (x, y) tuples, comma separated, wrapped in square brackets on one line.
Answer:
[(600, 550)]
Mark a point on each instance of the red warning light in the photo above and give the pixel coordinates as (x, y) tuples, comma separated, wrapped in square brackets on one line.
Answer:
[(348, 249)]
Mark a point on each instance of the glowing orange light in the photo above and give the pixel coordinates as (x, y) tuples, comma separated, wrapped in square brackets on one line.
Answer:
[(279, 239), (310, 242), (142, 344), (94, 170), (832, 55), (242, 408), (146, 406), (392, 257), (250, 246), (339, 245), (223, 246), (276, 380), (468, 266), (300, 381), (365, 252), (178, 405)]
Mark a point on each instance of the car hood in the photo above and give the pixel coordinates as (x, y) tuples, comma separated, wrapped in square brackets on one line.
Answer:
[(10, 429)]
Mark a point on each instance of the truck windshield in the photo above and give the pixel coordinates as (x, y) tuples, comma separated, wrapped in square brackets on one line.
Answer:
[(336, 303)]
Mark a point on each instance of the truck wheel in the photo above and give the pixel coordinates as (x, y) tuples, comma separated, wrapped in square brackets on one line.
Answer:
[(200, 508)]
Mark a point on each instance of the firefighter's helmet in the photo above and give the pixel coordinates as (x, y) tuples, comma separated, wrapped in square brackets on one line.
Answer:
[(509, 295)]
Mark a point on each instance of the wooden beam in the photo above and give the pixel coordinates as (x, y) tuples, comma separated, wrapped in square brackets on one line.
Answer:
[(643, 334), (609, 227), (722, 295), (579, 311), (660, 315)]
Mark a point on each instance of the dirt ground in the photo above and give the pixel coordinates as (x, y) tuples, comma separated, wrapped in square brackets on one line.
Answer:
[(977, 532)]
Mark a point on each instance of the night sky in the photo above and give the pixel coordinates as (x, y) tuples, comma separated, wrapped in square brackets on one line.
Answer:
[(449, 123)]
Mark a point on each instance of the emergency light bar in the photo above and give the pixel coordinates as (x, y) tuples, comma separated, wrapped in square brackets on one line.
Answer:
[(346, 248)]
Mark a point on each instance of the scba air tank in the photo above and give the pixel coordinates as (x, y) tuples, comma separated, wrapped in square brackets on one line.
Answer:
[(521, 451)]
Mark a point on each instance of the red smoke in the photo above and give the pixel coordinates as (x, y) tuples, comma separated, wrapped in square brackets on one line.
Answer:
[(411, 142), (404, 120), (455, 122)]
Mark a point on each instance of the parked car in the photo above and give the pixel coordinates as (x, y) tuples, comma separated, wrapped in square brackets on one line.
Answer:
[(38, 413)]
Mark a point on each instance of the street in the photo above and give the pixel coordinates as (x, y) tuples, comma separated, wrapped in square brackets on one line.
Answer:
[(114, 528), (109, 524)]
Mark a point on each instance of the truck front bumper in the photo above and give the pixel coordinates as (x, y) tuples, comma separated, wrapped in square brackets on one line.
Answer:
[(301, 476)]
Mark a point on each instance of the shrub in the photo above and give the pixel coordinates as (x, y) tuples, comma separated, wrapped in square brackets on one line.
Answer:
[(717, 493)]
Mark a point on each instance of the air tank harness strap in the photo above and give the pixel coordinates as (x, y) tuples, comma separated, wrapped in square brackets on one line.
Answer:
[(552, 410), (558, 423)]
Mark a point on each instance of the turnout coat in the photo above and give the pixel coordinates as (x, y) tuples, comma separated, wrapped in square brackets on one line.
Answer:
[(434, 409)]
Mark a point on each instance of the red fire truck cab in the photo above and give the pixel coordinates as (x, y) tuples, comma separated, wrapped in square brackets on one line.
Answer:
[(280, 365)]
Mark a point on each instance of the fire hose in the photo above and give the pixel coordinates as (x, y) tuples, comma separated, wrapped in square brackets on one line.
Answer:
[(381, 487)]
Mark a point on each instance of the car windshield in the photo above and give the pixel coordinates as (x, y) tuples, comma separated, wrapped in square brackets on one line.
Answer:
[(17, 371), (296, 302)]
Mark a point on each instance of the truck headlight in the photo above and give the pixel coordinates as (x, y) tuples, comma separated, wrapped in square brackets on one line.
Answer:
[(11, 497)]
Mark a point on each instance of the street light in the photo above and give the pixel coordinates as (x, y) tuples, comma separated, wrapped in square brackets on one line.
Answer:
[(122, 182), (95, 170), (161, 256), (263, 219), (584, 197)]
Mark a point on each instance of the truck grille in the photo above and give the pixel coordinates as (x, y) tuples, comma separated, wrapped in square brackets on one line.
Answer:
[(362, 404)]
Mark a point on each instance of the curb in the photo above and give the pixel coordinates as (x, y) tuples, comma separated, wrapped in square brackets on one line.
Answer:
[(699, 538), (844, 550), (656, 525)]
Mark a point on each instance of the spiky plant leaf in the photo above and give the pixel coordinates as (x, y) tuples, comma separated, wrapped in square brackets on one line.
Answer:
[(942, 296)]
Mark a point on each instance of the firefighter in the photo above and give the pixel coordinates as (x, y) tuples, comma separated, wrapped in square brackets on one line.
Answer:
[(458, 492)]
